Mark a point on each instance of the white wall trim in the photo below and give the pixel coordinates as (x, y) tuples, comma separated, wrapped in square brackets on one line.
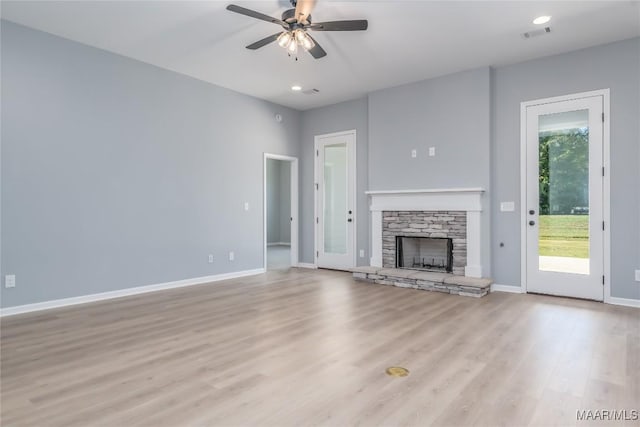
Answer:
[(606, 185), (294, 209), (432, 190), (46, 305), (506, 288), (307, 265), (606, 196), (627, 302)]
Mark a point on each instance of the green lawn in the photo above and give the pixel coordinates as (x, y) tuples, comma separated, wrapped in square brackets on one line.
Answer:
[(564, 235)]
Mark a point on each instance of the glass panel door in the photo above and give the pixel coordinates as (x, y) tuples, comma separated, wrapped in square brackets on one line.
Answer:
[(564, 211), (335, 200), (563, 173)]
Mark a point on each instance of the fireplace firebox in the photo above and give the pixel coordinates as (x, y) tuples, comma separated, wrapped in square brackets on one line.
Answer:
[(424, 253)]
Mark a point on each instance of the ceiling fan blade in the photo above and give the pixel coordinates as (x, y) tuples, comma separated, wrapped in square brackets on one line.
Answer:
[(265, 41), (254, 14), (303, 10), (316, 51), (355, 25)]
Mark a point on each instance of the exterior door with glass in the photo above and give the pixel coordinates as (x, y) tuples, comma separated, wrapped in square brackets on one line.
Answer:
[(335, 200), (563, 219)]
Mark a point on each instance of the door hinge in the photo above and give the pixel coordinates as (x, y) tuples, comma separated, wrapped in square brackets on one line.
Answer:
[(317, 153), (317, 254), (603, 171), (603, 280), (602, 117), (317, 186), (317, 220), (602, 225)]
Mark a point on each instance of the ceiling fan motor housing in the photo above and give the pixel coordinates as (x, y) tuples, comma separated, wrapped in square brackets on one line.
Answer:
[(289, 16)]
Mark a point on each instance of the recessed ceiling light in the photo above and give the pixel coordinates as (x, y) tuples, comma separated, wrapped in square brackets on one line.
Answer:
[(542, 20), (296, 88)]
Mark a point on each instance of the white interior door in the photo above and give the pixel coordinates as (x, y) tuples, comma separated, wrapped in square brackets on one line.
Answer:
[(335, 200), (564, 197)]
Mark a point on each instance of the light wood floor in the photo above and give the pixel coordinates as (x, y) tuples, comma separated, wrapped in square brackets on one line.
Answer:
[(308, 347)]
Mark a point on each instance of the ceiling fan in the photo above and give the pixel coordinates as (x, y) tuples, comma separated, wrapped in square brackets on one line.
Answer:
[(296, 24)]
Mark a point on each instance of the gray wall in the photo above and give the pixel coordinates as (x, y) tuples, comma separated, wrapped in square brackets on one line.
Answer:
[(278, 201), (450, 113), (335, 118), (116, 173), (615, 66)]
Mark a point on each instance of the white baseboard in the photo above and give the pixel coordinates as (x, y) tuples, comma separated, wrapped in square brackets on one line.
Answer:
[(279, 244), (46, 305), (627, 302), (506, 288), (307, 265)]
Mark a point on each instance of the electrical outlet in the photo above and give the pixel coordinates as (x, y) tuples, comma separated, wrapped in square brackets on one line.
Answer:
[(414, 153), (432, 151), (210, 259), (10, 281), (232, 256), (637, 275), (361, 253)]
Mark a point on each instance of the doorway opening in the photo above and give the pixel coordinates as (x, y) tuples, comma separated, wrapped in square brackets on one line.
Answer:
[(280, 212)]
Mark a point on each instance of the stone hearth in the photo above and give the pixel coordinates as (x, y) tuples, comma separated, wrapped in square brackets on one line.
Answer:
[(425, 280)]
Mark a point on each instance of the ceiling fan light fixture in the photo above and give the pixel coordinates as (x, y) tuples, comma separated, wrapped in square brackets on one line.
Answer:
[(292, 48), (300, 35), (307, 42), (284, 39), (295, 23)]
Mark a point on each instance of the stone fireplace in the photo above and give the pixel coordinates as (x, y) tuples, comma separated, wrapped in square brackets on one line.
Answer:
[(437, 214), (424, 253)]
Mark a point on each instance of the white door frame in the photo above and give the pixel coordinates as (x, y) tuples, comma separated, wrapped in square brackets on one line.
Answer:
[(606, 193), (295, 210), (315, 194)]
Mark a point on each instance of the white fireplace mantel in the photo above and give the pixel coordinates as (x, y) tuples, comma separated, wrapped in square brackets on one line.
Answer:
[(447, 199)]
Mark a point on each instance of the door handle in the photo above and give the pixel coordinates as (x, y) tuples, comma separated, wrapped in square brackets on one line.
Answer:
[(532, 212), (532, 223), (349, 220)]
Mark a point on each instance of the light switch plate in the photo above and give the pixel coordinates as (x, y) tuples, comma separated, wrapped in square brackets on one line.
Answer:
[(232, 256), (637, 275), (507, 206), (246, 206), (10, 281), (361, 253), (414, 153), (432, 151)]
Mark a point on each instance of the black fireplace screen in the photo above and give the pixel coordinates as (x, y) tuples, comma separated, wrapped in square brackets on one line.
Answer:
[(424, 253)]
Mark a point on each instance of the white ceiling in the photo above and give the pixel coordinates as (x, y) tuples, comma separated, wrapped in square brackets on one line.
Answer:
[(407, 40)]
